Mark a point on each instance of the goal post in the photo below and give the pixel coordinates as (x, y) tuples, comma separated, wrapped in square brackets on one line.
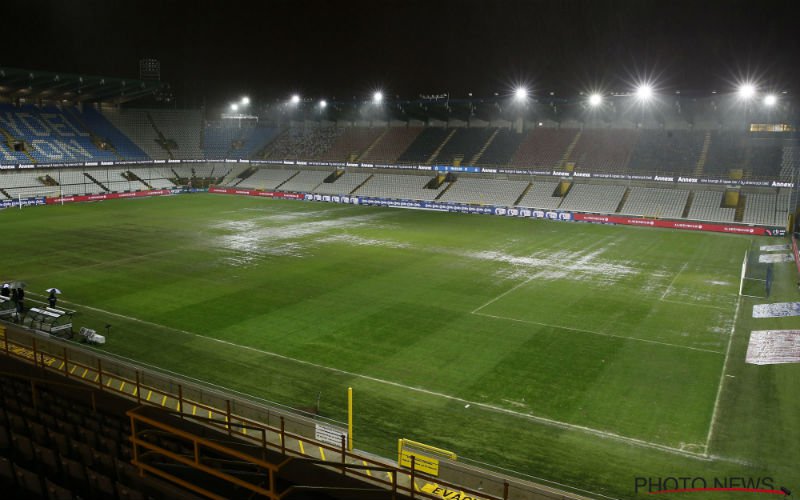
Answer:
[(756, 277)]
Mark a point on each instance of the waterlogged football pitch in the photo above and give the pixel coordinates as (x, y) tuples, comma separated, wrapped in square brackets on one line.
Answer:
[(576, 354)]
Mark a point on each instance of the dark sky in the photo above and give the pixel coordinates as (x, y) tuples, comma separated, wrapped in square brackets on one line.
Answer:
[(340, 49)]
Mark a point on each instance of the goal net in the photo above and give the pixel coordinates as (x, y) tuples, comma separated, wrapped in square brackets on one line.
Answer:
[(756, 280)]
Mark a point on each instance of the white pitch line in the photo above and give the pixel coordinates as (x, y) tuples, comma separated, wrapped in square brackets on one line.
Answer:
[(581, 330), (515, 287), (674, 280), (693, 304), (722, 378), (497, 409)]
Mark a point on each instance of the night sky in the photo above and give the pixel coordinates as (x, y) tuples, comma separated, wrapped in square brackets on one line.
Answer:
[(344, 49)]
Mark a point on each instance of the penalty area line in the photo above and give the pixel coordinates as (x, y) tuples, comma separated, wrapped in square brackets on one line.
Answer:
[(496, 409)]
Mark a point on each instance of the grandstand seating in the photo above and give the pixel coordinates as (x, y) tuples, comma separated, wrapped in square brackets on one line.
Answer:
[(543, 147), (135, 124), (180, 128), (425, 144), (668, 151), (595, 198), (790, 162), (399, 186), (603, 150), (484, 191), (540, 195), (302, 143), (49, 136), (726, 153), (782, 207), (222, 140), (265, 178), (305, 181), (655, 202), (101, 127), (156, 178), (345, 184), (465, 143), (760, 208), (707, 206), (58, 448), (389, 147), (502, 148), (351, 143), (764, 159)]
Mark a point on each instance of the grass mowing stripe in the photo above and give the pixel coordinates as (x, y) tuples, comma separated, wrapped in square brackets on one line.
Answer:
[(493, 408), (580, 330)]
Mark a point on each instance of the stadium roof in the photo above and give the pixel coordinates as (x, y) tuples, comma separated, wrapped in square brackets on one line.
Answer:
[(16, 83)]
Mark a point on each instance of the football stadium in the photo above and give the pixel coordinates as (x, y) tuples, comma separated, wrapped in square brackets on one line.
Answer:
[(519, 295)]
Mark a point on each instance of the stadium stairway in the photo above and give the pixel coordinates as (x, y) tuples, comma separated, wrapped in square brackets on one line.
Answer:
[(477, 157), (701, 160), (441, 146), (95, 138), (623, 200), (164, 142), (87, 174), (688, 206), (369, 148), (571, 148)]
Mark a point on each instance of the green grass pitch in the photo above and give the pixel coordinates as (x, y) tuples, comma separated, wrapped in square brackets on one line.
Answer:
[(577, 354)]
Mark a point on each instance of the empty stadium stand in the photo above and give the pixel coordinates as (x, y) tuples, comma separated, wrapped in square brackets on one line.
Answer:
[(540, 195), (464, 145), (655, 202), (390, 145), (351, 143), (222, 140), (603, 150), (399, 186), (344, 184), (544, 147), (760, 208), (425, 145), (667, 151), (594, 198), (502, 148), (136, 124), (484, 191), (265, 178), (95, 122), (302, 143), (305, 180), (707, 206)]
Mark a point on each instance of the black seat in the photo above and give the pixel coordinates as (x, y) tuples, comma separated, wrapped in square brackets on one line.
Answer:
[(56, 492), (48, 461), (30, 482)]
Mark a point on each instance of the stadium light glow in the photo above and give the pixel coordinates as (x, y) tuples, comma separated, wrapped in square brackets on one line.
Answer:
[(295, 99), (595, 100), (377, 97), (747, 91), (770, 100), (323, 104), (245, 101), (521, 93), (644, 92), (234, 107)]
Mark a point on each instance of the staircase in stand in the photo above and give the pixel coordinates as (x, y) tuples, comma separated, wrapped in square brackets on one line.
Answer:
[(570, 148), (701, 160), (441, 146), (480, 152)]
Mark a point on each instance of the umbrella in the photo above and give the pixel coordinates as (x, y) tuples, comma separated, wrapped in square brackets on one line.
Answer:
[(58, 292), (18, 284)]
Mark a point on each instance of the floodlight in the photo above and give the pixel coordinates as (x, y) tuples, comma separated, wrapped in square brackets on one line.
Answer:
[(595, 100), (644, 92), (323, 104), (521, 93), (377, 97), (770, 100), (747, 91), (245, 101), (234, 107), (295, 99)]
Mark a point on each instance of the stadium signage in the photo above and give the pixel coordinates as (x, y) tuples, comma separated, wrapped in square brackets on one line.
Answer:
[(445, 168), (25, 202)]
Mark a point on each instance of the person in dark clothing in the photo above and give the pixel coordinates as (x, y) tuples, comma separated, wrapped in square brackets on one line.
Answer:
[(52, 298), (6, 290), (20, 300)]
